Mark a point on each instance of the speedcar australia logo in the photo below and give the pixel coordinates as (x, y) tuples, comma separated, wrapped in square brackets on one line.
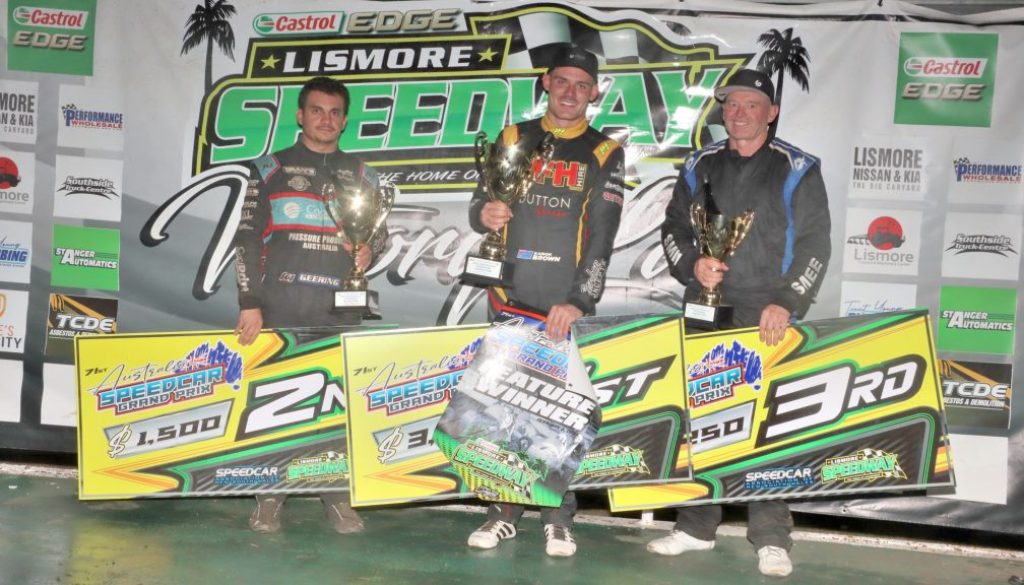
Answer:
[(50, 17), (717, 374), (247, 475), (194, 376), (298, 23), (864, 465), (777, 478), (992, 173)]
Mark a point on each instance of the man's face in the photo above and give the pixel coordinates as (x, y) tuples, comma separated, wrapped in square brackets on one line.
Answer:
[(747, 115), (569, 91), (322, 120)]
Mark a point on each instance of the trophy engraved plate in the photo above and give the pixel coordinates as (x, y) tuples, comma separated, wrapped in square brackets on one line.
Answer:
[(505, 175), (718, 236)]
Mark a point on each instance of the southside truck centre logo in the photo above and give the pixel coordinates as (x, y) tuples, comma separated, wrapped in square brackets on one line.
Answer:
[(946, 79), (51, 36)]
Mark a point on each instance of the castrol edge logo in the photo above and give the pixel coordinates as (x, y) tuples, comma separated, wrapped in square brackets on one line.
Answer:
[(954, 67), (291, 23), (50, 17)]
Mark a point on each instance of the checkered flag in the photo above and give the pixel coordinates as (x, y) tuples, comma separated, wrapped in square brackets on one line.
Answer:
[(897, 471)]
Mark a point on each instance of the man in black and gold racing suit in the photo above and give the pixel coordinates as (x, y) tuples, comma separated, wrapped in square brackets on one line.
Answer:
[(560, 240)]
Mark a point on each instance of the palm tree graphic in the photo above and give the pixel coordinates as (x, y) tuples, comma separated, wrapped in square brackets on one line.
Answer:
[(210, 23), (783, 55)]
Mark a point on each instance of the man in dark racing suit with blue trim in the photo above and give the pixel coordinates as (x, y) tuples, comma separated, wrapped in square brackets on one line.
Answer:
[(772, 278), (290, 258), (560, 239)]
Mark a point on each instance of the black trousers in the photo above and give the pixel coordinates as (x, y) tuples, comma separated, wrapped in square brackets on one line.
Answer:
[(768, 523), (561, 516)]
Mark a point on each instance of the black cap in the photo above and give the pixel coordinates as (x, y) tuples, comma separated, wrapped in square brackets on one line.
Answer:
[(748, 79), (569, 55)]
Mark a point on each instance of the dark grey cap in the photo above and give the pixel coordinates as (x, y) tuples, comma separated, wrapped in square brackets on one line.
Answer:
[(748, 79), (569, 55)]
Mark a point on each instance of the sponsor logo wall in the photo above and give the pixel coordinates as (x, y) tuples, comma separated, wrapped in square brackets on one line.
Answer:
[(944, 122), (982, 246)]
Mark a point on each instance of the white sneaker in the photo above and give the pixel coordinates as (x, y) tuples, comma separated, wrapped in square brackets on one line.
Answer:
[(491, 533), (678, 542), (774, 561), (559, 541)]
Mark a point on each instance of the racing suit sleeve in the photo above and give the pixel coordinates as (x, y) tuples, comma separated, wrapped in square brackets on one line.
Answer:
[(677, 237), (600, 224), (812, 245), (249, 241)]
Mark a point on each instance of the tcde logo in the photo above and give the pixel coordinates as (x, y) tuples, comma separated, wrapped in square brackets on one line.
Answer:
[(50, 17), (9, 177), (298, 23), (885, 233)]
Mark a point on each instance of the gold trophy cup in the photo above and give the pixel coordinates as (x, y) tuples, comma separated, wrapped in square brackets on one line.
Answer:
[(718, 237), (359, 213), (505, 175)]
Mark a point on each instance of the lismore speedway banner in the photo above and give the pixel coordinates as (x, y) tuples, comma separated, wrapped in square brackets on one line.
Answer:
[(840, 406), (184, 414), (910, 110)]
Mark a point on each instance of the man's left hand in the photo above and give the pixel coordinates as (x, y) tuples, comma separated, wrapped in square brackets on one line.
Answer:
[(560, 318), (362, 257), (774, 320)]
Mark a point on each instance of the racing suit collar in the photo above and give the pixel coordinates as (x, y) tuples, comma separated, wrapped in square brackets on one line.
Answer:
[(567, 133), (306, 151)]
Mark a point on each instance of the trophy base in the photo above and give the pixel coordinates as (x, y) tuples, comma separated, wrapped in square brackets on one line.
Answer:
[(707, 317), (486, 272), (364, 303)]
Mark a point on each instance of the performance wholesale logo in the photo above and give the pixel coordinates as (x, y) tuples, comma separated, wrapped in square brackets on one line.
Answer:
[(946, 79), (329, 466), (991, 173), (777, 478), (51, 36), (976, 394), (247, 475), (75, 117), (503, 468), (613, 460), (18, 114), (70, 316), (884, 170), (194, 376), (717, 374), (86, 257), (17, 178), (977, 319), (882, 244), (864, 465)]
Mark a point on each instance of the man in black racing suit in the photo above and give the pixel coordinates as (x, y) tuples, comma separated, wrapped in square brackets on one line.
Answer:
[(560, 240), (772, 278), (289, 258)]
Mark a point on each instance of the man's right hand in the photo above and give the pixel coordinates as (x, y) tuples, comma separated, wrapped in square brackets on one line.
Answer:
[(250, 321), (494, 215), (709, 272)]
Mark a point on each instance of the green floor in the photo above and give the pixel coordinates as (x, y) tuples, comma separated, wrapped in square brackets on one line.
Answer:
[(48, 537)]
